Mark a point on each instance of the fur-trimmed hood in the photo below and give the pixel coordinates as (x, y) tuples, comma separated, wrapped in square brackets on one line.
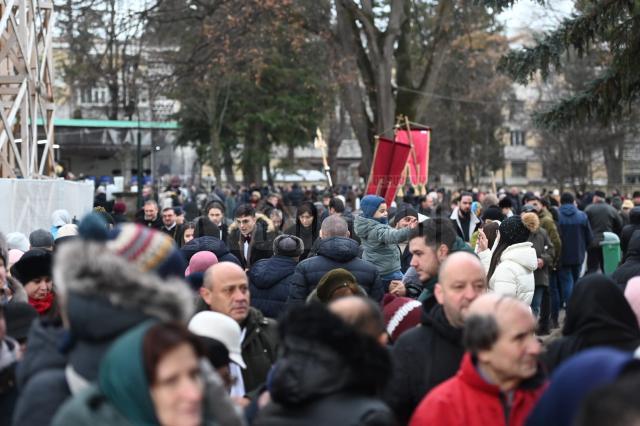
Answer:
[(88, 269), (324, 356), (271, 227)]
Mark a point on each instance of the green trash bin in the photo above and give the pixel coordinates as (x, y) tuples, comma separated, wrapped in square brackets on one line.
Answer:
[(611, 253)]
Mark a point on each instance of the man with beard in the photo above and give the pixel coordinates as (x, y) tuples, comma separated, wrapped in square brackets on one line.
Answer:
[(225, 290), (425, 356), (464, 220)]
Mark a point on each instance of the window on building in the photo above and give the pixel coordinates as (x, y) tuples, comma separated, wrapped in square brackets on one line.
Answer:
[(518, 138), (519, 169), (93, 95)]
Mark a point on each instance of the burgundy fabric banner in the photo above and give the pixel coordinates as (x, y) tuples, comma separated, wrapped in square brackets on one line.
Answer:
[(419, 158), (389, 161)]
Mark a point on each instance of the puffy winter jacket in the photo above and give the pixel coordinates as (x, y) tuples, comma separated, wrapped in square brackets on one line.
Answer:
[(212, 244), (631, 263), (335, 252), (575, 232), (379, 242), (269, 282), (628, 230), (423, 357), (514, 274)]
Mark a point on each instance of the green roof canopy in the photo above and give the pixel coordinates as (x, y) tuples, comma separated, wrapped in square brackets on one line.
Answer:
[(112, 124)]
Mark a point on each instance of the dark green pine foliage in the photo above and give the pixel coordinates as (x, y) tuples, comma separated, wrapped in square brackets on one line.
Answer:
[(612, 25)]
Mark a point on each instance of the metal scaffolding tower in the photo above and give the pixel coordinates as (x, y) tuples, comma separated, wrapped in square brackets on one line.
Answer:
[(26, 88)]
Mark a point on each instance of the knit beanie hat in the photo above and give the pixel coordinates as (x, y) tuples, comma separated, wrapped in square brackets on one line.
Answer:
[(288, 245), (334, 280), (149, 249), (370, 204), (513, 231), (493, 213), (200, 262), (19, 316), (17, 240), (119, 207), (632, 294), (402, 212), (33, 264), (400, 314)]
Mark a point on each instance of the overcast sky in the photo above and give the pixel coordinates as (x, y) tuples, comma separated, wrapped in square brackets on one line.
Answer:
[(527, 14)]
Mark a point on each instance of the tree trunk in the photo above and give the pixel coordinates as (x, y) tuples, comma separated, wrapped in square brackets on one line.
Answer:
[(613, 152)]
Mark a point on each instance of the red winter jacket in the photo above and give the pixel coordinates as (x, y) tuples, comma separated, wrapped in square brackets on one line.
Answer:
[(468, 400)]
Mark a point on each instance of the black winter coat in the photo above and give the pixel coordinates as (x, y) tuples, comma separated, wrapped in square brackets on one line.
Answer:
[(259, 349), (212, 244), (631, 263), (328, 374), (423, 357), (335, 252), (269, 283), (628, 230), (261, 246)]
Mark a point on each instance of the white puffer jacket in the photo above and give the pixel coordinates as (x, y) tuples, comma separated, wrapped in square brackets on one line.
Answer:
[(514, 274)]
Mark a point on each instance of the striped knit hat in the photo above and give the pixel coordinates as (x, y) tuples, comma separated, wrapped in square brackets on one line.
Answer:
[(151, 250), (400, 314)]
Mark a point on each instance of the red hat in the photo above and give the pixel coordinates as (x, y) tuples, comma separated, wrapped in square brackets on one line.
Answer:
[(400, 314)]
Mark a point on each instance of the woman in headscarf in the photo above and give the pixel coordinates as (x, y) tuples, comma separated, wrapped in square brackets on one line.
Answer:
[(59, 218), (513, 261), (597, 315), (150, 376), (307, 226)]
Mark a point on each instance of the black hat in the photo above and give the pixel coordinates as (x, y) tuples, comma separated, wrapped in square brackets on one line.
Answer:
[(600, 194), (288, 245), (493, 213), (505, 203), (513, 231), (528, 208), (404, 211), (19, 316), (33, 264)]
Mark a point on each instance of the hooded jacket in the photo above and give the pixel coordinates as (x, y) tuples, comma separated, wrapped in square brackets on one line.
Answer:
[(423, 357), (628, 230), (575, 232), (630, 266), (335, 252), (261, 245), (269, 283), (105, 297), (379, 242), (115, 401), (329, 374), (514, 274), (597, 315), (603, 218), (212, 244), (467, 399)]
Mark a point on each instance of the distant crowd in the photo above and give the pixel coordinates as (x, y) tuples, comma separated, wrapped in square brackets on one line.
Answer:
[(294, 306)]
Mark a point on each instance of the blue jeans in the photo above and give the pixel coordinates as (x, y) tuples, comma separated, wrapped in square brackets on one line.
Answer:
[(386, 279), (537, 299), (567, 277)]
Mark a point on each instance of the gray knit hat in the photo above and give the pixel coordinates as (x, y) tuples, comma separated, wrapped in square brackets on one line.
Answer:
[(288, 245)]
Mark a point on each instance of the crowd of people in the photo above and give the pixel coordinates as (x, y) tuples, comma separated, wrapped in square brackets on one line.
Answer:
[(299, 307)]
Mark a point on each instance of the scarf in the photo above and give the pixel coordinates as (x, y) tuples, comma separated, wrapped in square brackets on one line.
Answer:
[(42, 305)]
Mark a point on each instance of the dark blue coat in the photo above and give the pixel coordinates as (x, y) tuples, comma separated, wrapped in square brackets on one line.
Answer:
[(212, 244), (269, 283), (575, 232), (333, 253)]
